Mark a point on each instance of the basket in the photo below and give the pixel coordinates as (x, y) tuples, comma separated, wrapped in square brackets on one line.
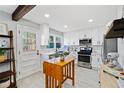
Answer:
[(2, 58)]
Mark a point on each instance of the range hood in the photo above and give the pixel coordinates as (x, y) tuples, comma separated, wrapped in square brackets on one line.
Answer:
[(116, 29)]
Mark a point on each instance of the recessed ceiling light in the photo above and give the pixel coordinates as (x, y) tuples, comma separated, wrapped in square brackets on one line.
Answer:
[(90, 20), (65, 26), (47, 15)]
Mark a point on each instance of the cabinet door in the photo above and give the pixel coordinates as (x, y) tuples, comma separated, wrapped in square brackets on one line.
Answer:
[(96, 60), (97, 36), (94, 37), (74, 38), (100, 36)]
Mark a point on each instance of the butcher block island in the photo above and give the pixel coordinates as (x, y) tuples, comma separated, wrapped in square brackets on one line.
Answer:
[(58, 72), (109, 77)]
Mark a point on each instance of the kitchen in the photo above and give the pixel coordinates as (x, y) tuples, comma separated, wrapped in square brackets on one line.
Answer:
[(59, 32)]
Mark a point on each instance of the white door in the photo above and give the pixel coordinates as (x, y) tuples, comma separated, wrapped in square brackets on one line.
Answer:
[(28, 44)]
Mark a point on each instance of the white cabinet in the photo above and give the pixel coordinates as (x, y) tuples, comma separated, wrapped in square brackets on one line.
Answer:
[(73, 37), (94, 37), (85, 34), (97, 36), (100, 36), (95, 61), (97, 54)]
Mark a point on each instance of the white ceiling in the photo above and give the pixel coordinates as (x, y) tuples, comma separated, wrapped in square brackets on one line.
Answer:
[(75, 16), (8, 8)]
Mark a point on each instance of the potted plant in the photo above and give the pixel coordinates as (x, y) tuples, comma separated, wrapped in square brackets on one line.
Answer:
[(2, 55), (66, 53), (63, 55)]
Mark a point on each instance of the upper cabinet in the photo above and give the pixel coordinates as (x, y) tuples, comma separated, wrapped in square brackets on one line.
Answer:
[(97, 36), (94, 37), (72, 38)]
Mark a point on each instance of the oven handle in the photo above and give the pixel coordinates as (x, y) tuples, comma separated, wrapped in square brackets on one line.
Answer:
[(83, 55)]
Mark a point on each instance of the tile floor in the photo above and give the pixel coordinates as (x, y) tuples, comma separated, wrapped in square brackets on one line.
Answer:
[(85, 78)]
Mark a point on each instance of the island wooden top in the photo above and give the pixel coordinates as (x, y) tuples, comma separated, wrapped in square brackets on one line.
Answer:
[(107, 80), (115, 72), (65, 62)]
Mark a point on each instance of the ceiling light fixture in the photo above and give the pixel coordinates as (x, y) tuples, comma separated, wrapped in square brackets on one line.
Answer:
[(65, 26), (90, 20), (46, 15)]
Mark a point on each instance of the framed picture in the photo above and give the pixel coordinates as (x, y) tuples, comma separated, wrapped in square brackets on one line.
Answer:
[(3, 29)]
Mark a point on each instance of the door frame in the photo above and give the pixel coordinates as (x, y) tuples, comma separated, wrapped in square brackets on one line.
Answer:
[(18, 41)]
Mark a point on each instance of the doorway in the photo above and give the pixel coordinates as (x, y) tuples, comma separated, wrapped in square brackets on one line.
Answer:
[(28, 45)]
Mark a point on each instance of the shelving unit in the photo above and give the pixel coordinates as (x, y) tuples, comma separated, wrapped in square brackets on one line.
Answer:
[(6, 61), (6, 36), (6, 48), (11, 73)]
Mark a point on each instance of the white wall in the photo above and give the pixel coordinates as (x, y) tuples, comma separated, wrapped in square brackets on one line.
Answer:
[(12, 25), (120, 41), (73, 37), (121, 51), (45, 34)]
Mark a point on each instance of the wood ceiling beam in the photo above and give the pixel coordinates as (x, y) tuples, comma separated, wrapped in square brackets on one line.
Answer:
[(20, 11)]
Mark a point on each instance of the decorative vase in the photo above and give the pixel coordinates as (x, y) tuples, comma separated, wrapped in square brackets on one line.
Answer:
[(2, 58), (62, 59)]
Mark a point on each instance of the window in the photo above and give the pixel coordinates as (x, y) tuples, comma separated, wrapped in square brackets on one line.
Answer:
[(54, 41), (58, 42), (51, 42)]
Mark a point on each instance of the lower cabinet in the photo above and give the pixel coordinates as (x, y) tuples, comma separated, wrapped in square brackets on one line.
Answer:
[(96, 60)]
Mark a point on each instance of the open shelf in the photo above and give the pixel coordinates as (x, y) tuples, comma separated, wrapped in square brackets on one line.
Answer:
[(5, 80), (13, 85), (6, 48), (5, 74), (6, 61), (6, 36)]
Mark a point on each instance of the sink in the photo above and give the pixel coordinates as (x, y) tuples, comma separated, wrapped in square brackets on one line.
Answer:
[(55, 55)]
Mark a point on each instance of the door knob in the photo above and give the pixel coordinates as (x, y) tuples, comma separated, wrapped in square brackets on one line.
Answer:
[(37, 52)]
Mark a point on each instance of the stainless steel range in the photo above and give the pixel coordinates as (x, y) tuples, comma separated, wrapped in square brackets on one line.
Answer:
[(84, 57)]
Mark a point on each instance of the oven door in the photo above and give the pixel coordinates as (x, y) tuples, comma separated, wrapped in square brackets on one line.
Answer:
[(84, 58)]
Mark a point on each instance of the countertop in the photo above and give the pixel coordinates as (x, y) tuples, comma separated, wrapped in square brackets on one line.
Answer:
[(46, 52), (109, 80)]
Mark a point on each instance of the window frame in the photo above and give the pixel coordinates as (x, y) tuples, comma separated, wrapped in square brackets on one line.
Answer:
[(54, 40)]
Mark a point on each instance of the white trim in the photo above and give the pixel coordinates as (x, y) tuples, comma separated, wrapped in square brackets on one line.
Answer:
[(21, 64)]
